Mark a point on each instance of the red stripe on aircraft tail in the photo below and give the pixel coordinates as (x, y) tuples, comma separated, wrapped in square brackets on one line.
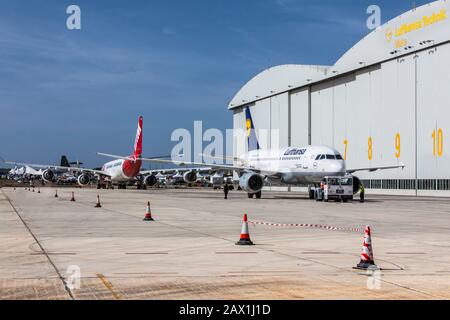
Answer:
[(138, 141)]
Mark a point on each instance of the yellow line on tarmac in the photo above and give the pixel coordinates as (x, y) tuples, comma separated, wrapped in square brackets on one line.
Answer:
[(109, 286)]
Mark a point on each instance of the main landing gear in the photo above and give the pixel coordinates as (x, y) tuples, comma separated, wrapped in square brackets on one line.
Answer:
[(141, 186), (257, 195)]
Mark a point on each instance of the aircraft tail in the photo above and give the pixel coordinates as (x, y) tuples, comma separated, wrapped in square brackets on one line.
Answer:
[(252, 140), (65, 162), (138, 140)]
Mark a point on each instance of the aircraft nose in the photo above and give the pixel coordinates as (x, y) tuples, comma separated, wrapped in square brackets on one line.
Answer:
[(338, 166)]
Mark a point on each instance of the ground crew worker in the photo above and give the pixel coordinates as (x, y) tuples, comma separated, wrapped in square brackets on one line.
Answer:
[(225, 190), (362, 191), (322, 191)]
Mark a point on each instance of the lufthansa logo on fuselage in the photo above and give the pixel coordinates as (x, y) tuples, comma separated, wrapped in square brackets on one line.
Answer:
[(295, 152)]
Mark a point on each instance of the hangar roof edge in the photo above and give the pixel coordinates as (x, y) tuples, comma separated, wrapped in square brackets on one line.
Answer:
[(414, 30)]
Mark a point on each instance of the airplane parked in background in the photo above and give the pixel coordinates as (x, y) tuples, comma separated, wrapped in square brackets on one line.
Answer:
[(120, 171)]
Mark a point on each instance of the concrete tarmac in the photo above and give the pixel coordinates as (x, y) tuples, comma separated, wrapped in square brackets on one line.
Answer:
[(189, 251)]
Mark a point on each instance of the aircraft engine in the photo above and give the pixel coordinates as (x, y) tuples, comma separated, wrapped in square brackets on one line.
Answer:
[(356, 184), (150, 180), (251, 182), (48, 175), (83, 179), (190, 177)]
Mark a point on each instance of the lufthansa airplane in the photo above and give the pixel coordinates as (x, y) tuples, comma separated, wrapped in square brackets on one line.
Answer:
[(288, 166)]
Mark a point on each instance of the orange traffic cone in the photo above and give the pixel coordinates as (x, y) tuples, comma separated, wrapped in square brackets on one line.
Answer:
[(39, 190), (33, 190), (245, 235), (148, 213), (367, 260), (73, 197), (98, 205), (56, 193)]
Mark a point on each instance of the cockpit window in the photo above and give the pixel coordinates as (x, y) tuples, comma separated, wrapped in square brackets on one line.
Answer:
[(339, 157), (318, 157), (322, 157), (331, 157)]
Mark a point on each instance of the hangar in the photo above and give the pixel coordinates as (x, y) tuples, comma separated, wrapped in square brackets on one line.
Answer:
[(385, 101)]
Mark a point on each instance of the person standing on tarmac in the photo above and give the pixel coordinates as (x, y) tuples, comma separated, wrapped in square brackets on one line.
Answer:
[(362, 191), (225, 190), (321, 192)]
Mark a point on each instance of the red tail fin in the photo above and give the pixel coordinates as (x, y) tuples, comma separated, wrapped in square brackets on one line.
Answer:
[(138, 141)]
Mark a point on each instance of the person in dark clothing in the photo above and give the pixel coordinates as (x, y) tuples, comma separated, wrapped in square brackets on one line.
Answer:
[(362, 191), (225, 190)]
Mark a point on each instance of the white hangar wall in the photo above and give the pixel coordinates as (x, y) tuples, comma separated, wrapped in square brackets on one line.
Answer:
[(299, 118), (433, 100), (360, 115), (393, 111), (378, 106)]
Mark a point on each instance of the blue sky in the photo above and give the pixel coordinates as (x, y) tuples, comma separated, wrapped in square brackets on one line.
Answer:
[(78, 92)]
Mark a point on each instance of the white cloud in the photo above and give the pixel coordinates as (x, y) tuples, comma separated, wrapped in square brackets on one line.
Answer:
[(169, 32)]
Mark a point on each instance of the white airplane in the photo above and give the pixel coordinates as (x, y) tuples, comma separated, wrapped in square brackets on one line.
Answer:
[(119, 171), (288, 166)]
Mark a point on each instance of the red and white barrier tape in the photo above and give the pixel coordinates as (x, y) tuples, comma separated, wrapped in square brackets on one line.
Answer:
[(304, 225)]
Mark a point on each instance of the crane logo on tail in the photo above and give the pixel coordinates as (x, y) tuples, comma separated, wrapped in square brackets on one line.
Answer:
[(252, 140)]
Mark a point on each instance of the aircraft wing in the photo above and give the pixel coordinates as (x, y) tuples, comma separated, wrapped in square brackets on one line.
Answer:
[(223, 158), (197, 164), (402, 165), (68, 169), (212, 166), (162, 171)]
